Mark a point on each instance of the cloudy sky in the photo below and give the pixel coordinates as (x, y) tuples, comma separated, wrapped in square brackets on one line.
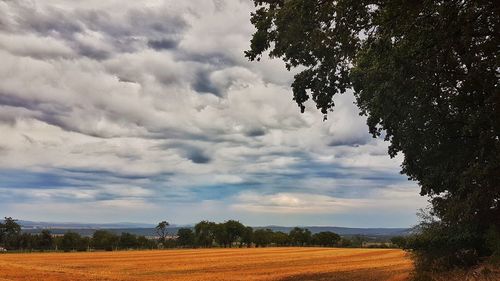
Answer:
[(141, 111)]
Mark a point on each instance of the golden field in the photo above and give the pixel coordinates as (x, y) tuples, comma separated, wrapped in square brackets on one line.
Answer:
[(295, 264)]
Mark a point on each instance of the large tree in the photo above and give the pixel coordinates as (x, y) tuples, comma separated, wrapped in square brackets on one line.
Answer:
[(300, 236), (262, 237), (72, 241), (326, 239), (205, 233), (162, 231), (235, 231), (105, 240), (10, 232), (185, 237), (128, 241), (247, 236), (45, 240), (425, 73)]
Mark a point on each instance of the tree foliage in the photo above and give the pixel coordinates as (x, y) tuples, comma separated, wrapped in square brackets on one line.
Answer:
[(399, 241), (45, 240), (425, 73), (162, 231), (326, 239), (105, 240), (9, 231), (280, 238), (185, 237), (262, 237), (128, 241), (231, 232), (300, 236), (72, 241), (205, 233), (247, 236)]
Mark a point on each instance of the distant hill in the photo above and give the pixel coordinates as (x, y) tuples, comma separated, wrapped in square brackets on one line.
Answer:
[(74, 225), (87, 229), (347, 231)]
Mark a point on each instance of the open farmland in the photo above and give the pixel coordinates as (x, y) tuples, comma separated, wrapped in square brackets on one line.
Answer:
[(210, 264)]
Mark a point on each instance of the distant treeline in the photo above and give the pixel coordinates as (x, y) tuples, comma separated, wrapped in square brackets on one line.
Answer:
[(205, 234)]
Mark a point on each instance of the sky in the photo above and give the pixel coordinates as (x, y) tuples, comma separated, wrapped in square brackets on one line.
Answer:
[(141, 111)]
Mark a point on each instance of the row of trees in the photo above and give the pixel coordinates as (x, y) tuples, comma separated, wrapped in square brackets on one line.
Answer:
[(102, 240), (233, 233), (11, 238), (205, 234)]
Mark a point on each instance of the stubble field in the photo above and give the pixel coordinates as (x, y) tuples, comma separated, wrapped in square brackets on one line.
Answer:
[(291, 264)]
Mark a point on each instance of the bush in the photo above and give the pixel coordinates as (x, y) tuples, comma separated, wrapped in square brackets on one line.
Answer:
[(493, 242), (439, 247), (399, 241)]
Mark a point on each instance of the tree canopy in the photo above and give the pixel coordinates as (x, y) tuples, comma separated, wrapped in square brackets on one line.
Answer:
[(162, 231), (326, 238), (425, 73), (204, 232), (185, 237), (9, 230)]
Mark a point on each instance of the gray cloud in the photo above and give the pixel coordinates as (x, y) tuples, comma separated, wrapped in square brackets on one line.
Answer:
[(256, 132), (202, 84), (151, 105), (163, 44), (198, 157)]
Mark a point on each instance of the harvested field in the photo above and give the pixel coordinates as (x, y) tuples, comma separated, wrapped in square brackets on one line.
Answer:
[(210, 264)]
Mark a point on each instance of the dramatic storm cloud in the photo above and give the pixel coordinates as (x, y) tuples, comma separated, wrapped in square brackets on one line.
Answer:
[(148, 110)]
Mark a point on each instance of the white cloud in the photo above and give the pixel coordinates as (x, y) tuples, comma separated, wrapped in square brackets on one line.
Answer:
[(33, 45), (384, 199), (290, 203)]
